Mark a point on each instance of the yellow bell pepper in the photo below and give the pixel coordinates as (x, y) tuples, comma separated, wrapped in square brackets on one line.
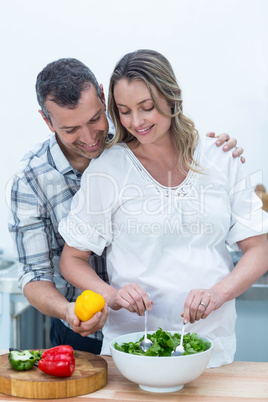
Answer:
[(88, 304)]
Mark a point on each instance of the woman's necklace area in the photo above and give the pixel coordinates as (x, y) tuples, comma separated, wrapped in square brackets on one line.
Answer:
[(169, 181)]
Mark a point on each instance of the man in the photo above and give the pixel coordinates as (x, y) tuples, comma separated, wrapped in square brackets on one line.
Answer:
[(73, 106)]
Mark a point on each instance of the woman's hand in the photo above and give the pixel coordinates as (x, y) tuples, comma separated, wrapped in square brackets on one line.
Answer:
[(200, 303), (87, 327), (228, 143), (131, 297)]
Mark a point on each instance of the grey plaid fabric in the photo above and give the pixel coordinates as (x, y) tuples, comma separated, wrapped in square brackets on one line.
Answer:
[(41, 195)]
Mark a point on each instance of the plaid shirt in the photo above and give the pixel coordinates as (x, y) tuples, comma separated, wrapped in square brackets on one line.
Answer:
[(41, 196)]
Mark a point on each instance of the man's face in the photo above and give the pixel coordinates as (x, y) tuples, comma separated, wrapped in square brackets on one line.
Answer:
[(80, 132)]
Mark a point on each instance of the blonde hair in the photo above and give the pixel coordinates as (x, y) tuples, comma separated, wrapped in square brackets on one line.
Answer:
[(155, 71)]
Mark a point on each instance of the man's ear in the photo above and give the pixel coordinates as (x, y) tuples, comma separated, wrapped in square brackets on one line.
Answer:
[(47, 121), (102, 95)]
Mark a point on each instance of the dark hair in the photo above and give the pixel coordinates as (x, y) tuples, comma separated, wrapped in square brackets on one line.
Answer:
[(64, 80)]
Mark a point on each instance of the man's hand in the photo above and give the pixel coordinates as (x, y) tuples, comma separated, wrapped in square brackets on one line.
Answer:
[(87, 327), (229, 143), (45, 297)]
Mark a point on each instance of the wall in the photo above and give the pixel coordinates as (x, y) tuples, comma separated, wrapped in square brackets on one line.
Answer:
[(218, 50)]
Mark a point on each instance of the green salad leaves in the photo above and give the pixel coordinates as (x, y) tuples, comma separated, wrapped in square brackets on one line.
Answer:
[(164, 343)]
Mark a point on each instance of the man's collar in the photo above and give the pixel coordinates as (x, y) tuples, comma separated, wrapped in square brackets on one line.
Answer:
[(61, 162)]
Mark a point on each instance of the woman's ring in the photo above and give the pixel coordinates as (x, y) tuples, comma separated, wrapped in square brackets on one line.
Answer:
[(203, 304)]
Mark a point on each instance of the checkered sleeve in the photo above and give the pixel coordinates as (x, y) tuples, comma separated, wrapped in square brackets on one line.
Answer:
[(30, 229), (99, 265)]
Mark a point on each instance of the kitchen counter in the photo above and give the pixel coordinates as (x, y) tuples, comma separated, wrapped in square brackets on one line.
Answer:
[(235, 382)]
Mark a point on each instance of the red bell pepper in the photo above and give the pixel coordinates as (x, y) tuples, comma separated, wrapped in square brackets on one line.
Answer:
[(58, 361)]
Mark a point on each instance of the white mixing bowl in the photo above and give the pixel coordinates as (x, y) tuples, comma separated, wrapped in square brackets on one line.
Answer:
[(159, 374)]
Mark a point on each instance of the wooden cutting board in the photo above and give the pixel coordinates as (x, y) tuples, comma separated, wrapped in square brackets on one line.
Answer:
[(90, 375)]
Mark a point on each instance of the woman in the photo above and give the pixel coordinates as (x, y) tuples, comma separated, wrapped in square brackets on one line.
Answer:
[(165, 211)]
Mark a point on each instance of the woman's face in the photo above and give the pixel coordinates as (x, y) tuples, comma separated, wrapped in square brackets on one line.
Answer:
[(138, 113)]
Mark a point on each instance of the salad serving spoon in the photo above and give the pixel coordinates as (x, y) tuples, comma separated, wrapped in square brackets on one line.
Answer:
[(179, 349), (146, 343)]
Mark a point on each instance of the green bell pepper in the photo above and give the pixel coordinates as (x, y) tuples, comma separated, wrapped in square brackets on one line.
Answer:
[(21, 360), (37, 354)]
